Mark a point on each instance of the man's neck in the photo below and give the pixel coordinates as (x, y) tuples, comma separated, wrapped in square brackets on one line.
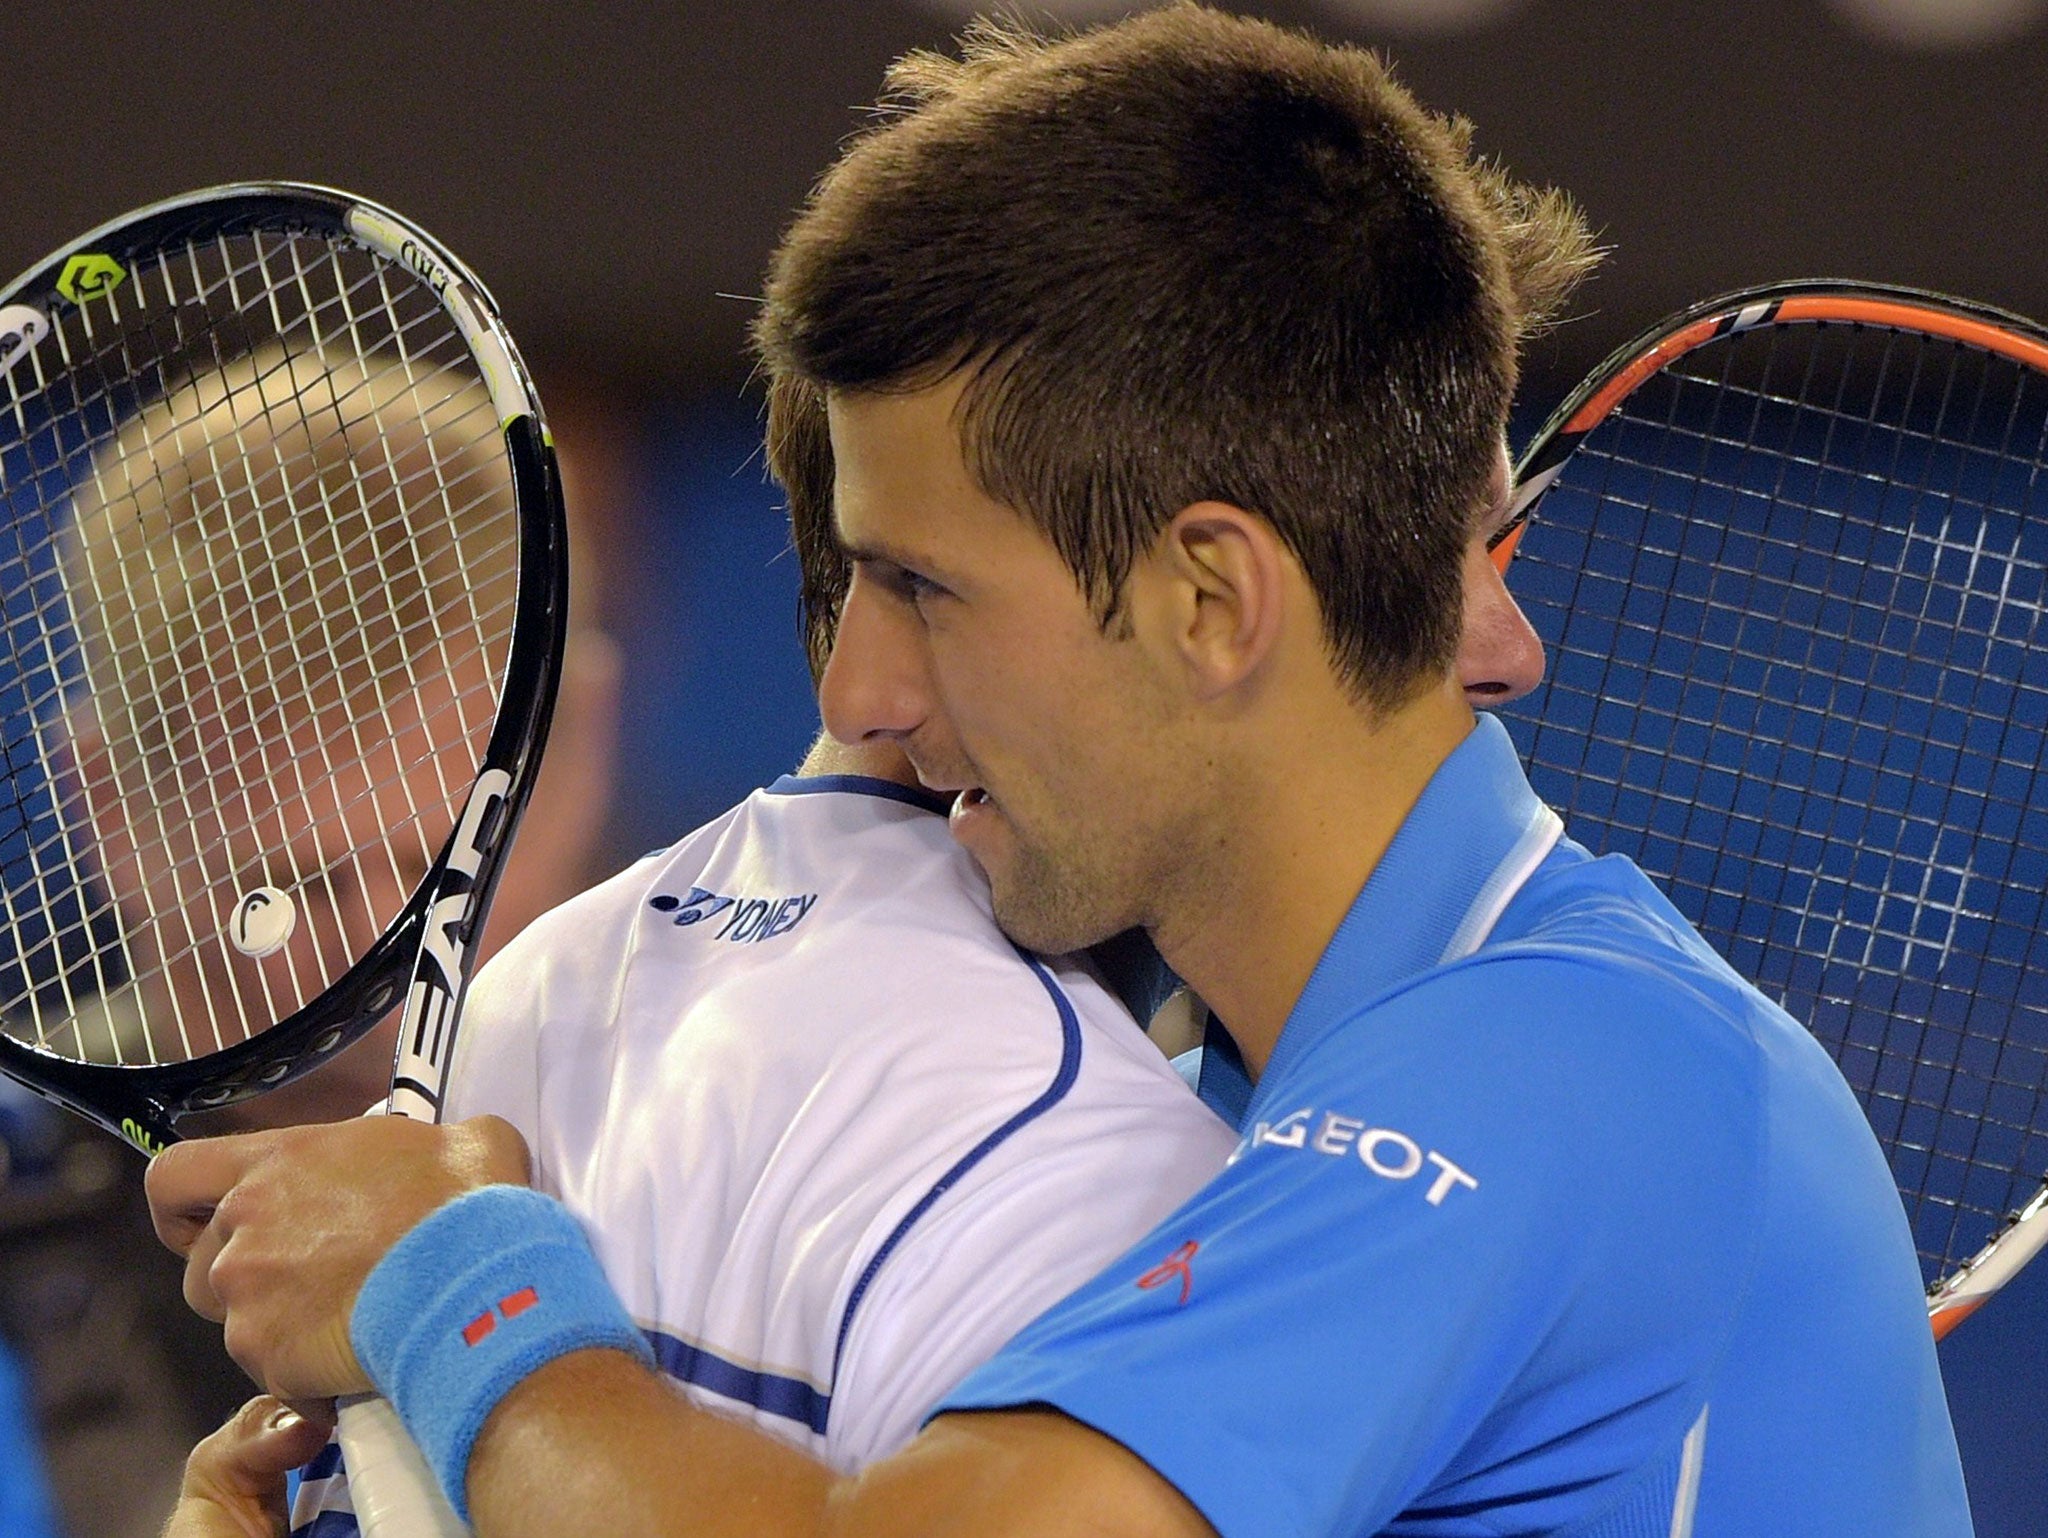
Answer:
[(876, 760), (1308, 837)]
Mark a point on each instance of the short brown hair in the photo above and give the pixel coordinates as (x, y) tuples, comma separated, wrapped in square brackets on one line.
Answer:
[(800, 459), (1189, 257)]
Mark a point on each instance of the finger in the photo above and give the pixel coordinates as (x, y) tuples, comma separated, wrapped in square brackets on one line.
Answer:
[(200, 1255), (243, 1465), (319, 1411), (186, 1182)]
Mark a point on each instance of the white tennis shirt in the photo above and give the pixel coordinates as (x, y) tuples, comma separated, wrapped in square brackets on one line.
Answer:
[(834, 1138)]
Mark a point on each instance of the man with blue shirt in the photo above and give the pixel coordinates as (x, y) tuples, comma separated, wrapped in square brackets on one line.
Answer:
[(1162, 367), (25, 1510)]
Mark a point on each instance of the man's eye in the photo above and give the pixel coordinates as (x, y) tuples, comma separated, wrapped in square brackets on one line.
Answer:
[(901, 583)]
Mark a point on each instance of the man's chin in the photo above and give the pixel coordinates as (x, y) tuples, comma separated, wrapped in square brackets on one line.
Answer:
[(1041, 921)]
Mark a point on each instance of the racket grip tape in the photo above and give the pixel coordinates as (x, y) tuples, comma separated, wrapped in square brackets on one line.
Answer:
[(393, 1492), (476, 1297)]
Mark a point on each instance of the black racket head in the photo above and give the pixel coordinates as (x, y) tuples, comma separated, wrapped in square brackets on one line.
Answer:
[(1788, 554), (282, 585)]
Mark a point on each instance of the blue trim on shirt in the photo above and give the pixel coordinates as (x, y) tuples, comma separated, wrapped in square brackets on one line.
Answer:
[(329, 1524), (1062, 1081), (860, 785), (325, 1464), (791, 1398)]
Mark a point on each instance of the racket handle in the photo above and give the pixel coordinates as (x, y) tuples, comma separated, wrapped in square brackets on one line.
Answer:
[(394, 1493)]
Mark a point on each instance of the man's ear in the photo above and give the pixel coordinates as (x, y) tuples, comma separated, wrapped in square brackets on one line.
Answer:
[(1222, 580)]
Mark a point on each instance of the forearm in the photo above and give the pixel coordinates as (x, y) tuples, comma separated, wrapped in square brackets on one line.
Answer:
[(595, 1442), (433, 1244)]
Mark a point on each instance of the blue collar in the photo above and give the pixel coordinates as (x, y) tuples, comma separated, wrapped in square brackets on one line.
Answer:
[(860, 785), (1462, 853)]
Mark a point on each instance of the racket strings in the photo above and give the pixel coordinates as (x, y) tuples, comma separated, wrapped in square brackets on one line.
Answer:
[(263, 546), (197, 816), (1793, 596)]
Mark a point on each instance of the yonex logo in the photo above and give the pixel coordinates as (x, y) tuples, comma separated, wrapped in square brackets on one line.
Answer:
[(741, 920), (1388, 1154)]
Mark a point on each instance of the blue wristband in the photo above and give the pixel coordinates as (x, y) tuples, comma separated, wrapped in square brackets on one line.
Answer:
[(481, 1293)]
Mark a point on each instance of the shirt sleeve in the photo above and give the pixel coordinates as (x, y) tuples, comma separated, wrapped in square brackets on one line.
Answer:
[(25, 1507), (1466, 1252)]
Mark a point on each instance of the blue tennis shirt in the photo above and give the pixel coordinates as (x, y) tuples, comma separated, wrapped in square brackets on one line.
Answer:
[(1542, 1221), (25, 1507)]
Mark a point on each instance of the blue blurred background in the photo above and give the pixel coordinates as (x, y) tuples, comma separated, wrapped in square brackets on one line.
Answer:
[(618, 172)]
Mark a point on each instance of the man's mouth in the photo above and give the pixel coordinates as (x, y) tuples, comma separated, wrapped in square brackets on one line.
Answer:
[(972, 808)]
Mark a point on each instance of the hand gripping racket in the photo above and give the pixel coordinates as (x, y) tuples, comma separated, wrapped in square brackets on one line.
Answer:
[(282, 597), (1789, 555)]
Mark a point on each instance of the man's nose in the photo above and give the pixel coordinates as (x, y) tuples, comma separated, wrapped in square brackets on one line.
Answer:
[(1500, 657), (874, 684)]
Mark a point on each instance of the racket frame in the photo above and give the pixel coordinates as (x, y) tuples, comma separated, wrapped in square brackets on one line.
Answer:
[(406, 966), (2023, 1233)]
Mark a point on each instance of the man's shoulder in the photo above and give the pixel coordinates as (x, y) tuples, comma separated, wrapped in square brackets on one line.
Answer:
[(1591, 959), (1597, 992), (756, 871), (832, 927), (1593, 1036), (1560, 1059)]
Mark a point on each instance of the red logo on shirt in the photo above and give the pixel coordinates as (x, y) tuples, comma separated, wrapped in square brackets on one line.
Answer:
[(1179, 1264)]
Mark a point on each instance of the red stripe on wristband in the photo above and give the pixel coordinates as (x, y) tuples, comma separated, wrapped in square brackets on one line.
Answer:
[(518, 1303)]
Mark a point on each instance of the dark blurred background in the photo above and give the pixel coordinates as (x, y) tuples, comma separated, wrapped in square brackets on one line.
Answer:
[(618, 172)]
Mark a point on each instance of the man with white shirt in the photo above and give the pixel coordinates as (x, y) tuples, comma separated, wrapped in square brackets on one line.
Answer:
[(918, 1136), (832, 1136)]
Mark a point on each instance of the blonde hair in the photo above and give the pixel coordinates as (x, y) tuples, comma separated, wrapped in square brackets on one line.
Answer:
[(290, 580), (288, 510)]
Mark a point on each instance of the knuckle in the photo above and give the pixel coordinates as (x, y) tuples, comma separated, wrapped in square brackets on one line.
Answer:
[(497, 1151), (244, 1346), (235, 1209)]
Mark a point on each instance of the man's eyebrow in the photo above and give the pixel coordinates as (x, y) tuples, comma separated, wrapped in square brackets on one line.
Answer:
[(882, 553), (864, 554), (861, 550)]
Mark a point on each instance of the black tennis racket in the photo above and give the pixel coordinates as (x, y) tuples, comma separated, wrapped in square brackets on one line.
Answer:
[(1789, 555), (283, 592)]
